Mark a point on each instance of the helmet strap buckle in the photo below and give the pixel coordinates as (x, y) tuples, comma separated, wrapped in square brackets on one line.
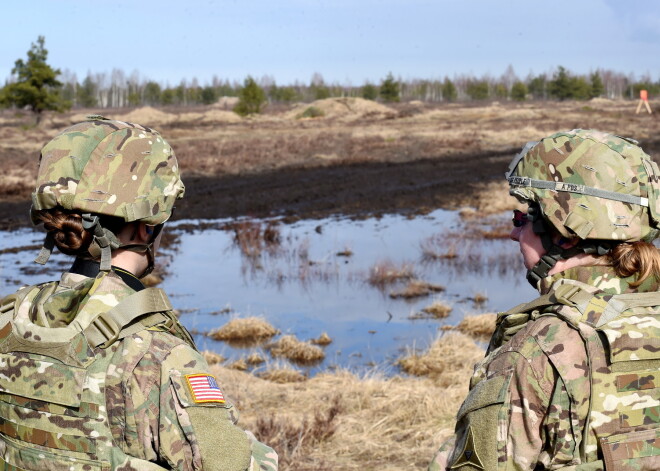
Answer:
[(46, 249)]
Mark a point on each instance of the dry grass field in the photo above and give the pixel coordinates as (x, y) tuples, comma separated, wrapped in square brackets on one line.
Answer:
[(360, 158)]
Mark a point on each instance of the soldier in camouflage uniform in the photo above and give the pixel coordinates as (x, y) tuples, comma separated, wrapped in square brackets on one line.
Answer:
[(96, 373), (571, 380)]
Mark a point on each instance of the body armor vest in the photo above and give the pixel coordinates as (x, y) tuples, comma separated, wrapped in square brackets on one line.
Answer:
[(622, 339), (53, 382)]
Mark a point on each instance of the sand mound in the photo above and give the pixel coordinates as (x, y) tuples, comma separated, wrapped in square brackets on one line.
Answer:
[(600, 101), (347, 108), (219, 116), (226, 102), (147, 116)]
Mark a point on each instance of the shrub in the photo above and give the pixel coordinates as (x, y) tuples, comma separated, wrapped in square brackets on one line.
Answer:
[(251, 97)]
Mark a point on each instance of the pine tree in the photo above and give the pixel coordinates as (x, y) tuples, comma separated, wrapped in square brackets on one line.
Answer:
[(477, 89), (449, 92), (560, 86), (36, 86), (519, 91), (389, 89), (86, 93), (251, 97), (597, 86), (369, 91)]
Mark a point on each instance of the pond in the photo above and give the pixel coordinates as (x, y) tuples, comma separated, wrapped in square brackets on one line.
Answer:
[(337, 276)]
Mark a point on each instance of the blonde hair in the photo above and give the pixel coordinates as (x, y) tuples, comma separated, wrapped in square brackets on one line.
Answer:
[(635, 258)]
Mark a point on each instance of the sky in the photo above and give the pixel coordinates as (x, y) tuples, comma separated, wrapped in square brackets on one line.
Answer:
[(348, 42)]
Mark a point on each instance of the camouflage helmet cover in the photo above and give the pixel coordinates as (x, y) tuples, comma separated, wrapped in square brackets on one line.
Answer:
[(595, 185), (110, 168)]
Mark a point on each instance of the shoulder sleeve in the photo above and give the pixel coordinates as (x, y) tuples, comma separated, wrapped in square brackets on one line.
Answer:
[(516, 417), (193, 424)]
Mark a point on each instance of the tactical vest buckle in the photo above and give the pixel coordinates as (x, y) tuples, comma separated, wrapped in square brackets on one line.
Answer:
[(107, 330), (564, 294)]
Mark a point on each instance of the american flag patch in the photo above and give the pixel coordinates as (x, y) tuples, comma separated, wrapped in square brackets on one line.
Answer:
[(204, 388)]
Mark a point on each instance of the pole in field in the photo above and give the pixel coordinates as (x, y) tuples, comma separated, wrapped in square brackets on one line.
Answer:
[(643, 100)]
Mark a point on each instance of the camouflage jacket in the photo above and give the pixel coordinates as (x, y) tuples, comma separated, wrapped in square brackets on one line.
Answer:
[(142, 399), (549, 395)]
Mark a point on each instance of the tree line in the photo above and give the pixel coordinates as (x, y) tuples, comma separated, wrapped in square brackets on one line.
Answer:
[(36, 85)]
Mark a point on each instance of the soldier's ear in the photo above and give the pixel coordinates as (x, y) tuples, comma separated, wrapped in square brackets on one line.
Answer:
[(136, 233)]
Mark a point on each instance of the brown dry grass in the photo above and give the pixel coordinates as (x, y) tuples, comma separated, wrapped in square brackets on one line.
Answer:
[(255, 358), (295, 350), (416, 289), (362, 134), (438, 248), (283, 375), (387, 272), (480, 326), (253, 237), (383, 424), (446, 361), (212, 358), (438, 309), (240, 365), (479, 298), (323, 340), (244, 329)]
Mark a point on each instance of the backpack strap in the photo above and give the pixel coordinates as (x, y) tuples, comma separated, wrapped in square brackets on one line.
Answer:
[(512, 321), (10, 303), (137, 312)]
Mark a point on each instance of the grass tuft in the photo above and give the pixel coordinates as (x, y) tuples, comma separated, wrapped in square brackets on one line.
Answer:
[(283, 375), (480, 326), (416, 289), (255, 358), (386, 272), (292, 349), (240, 365), (479, 298), (253, 237), (290, 439), (449, 356), (323, 340), (437, 309), (212, 358), (248, 330)]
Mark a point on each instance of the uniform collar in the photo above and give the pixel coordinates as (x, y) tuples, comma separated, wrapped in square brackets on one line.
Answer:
[(601, 277), (91, 269)]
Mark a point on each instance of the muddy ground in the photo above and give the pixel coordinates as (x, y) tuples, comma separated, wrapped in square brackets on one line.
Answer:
[(361, 159)]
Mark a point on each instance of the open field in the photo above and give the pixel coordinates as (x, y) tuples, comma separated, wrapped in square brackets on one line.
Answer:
[(359, 159)]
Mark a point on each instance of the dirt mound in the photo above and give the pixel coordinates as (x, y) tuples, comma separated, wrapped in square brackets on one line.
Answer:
[(346, 108), (220, 116), (148, 116), (600, 101), (226, 102)]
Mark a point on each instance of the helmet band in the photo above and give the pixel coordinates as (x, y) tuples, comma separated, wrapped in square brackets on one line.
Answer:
[(579, 189)]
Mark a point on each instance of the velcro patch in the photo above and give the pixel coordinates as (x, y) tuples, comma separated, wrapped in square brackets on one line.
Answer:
[(204, 388), (468, 455)]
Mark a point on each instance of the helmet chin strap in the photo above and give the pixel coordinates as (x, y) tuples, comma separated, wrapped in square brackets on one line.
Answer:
[(105, 241), (553, 251), (148, 249)]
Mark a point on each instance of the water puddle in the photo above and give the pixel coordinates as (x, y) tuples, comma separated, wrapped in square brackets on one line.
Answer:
[(320, 276)]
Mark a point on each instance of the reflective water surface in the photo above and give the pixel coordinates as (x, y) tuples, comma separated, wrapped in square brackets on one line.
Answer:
[(318, 276)]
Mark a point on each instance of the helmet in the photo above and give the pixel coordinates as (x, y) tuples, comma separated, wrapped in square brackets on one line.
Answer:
[(599, 187), (108, 168)]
